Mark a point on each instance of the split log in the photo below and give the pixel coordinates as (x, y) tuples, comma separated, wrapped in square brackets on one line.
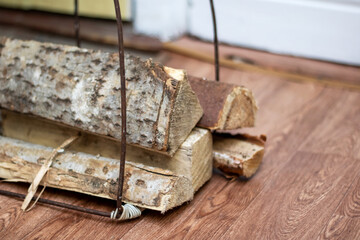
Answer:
[(81, 88), (238, 155), (226, 106), (193, 159), (144, 186)]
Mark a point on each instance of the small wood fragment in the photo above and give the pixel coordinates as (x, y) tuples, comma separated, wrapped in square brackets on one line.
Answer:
[(239, 155), (42, 172)]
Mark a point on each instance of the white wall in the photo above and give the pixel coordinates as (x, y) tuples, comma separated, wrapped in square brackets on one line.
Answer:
[(321, 29), (165, 19)]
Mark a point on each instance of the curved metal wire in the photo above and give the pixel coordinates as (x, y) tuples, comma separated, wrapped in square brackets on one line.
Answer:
[(123, 104), (216, 43)]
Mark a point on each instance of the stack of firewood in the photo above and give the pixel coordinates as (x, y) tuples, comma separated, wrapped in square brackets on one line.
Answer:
[(50, 92)]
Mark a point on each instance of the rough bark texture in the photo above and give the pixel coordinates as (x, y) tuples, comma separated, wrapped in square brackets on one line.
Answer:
[(81, 88), (226, 106), (239, 155)]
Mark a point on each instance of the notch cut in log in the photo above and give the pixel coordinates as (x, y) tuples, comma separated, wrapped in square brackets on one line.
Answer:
[(81, 88), (193, 159), (238, 155), (226, 106)]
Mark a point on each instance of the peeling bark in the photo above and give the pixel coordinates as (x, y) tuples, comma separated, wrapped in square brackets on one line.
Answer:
[(81, 88)]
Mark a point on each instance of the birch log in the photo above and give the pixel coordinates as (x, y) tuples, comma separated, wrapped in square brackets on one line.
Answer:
[(144, 186), (81, 88), (226, 106), (193, 159), (239, 155)]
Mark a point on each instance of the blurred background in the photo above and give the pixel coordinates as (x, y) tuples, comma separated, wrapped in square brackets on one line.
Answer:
[(327, 30)]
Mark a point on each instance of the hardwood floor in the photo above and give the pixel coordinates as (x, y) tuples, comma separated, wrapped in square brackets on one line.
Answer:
[(308, 186)]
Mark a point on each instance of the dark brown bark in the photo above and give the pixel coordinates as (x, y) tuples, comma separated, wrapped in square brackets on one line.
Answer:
[(226, 106)]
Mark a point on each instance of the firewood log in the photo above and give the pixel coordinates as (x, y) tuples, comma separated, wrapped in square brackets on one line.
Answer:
[(81, 88), (146, 186)]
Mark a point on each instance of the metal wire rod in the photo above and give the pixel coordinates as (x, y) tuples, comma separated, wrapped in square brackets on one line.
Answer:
[(216, 43), (58, 204), (123, 105)]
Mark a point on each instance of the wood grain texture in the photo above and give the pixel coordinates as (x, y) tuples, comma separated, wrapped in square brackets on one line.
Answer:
[(346, 217), (301, 108), (309, 171), (81, 88)]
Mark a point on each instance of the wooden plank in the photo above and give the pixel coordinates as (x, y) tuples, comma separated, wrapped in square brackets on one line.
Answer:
[(300, 109), (80, 88), (345, 221), (312, 194)]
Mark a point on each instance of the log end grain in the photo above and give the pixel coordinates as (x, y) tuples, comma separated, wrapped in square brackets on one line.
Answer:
[(239, 110), (187, 110)]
